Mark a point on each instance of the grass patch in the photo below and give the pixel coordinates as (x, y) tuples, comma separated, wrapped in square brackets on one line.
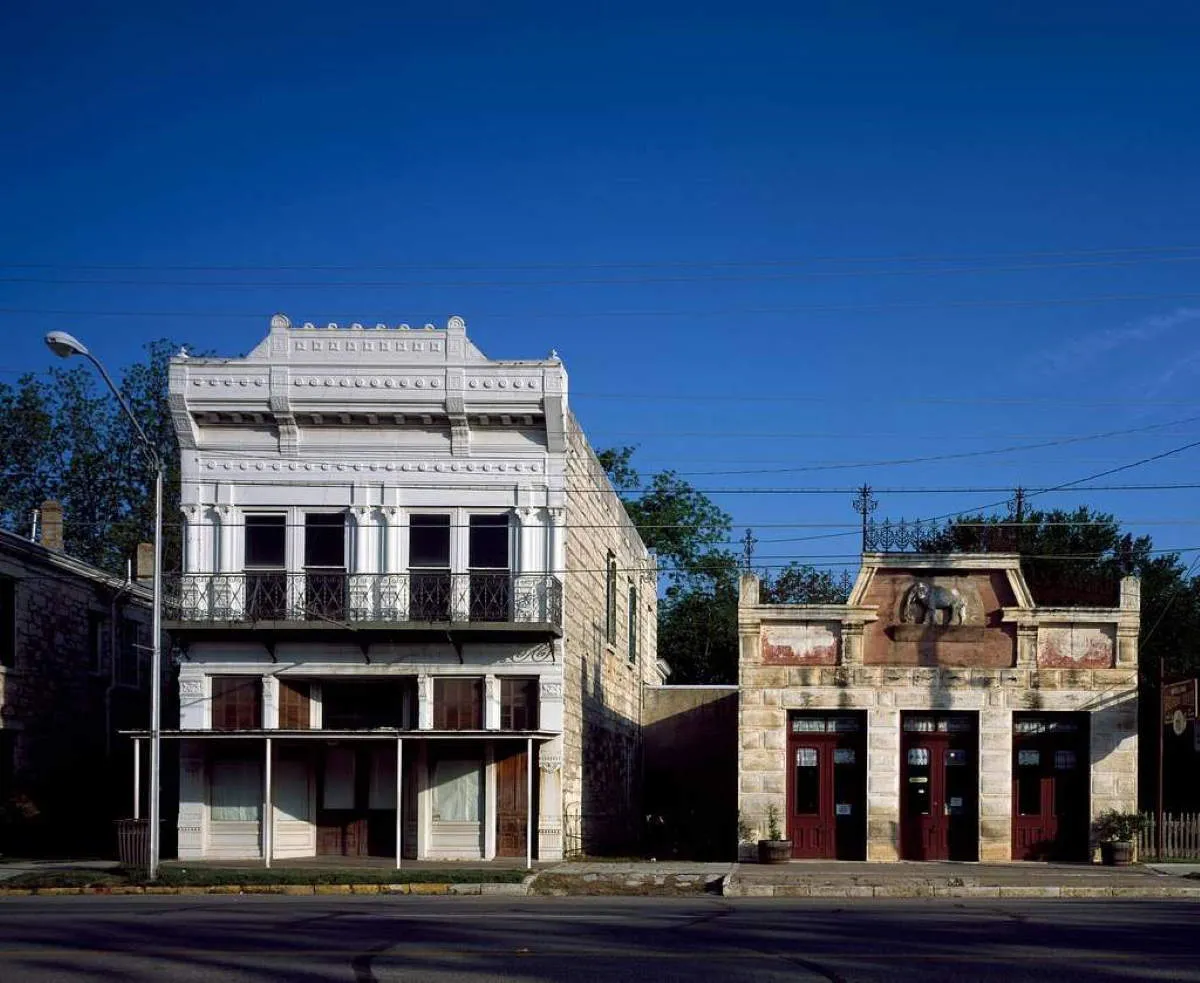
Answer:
[(222, 876), (211, 876), (66, 878)]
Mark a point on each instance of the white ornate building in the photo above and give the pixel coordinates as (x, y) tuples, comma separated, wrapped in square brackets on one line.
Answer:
[(414, 618)]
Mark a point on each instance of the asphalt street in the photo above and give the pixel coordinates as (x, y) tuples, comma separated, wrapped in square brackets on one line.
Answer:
[(392, 939)]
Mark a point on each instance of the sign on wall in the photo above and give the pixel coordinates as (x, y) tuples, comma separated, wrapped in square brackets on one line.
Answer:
[(1179, 705)]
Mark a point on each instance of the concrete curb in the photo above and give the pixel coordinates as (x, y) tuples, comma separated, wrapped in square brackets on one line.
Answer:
[(420, 887), (744, 889)]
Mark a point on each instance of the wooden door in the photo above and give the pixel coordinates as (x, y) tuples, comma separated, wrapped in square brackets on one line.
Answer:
[(923, 831), (1050, 787), (810, 822), (939, 807), (512, 804)]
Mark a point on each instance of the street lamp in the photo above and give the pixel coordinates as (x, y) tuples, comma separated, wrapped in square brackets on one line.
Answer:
[(64, 346)]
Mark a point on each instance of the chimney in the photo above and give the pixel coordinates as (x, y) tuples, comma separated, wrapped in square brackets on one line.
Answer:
[(52, 525), (145, 563)]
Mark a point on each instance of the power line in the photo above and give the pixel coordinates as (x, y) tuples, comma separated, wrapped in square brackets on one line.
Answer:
[(605, 281), (659, 313), (617, 264)]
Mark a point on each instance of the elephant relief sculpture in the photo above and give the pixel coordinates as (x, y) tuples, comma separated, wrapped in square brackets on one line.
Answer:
[(927, 600)]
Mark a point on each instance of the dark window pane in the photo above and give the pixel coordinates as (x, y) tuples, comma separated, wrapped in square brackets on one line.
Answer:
[(293, 705), (266, 538), (325, 540), (488, 546), (429, 541), (364, 705), (518, 704), (916, 781), (1029, 791), (458, 704), (236, 702), (808, 781)]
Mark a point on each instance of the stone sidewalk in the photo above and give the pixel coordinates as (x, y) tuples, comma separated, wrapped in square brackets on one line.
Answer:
[(816, 879)]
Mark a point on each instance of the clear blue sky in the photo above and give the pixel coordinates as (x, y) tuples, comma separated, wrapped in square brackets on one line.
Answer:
[(831, 231)]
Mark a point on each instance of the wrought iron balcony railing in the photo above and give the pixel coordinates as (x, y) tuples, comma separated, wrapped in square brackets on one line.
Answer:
[(336, 597)]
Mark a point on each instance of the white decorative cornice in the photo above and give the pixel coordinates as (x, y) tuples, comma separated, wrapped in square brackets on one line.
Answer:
[(346, 466)]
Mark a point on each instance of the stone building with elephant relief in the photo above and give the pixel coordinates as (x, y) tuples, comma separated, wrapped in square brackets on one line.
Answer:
[(941, 713)]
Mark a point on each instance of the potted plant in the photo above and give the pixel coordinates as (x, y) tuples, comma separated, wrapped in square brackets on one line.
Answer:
[(774, 849), (1117, 832)]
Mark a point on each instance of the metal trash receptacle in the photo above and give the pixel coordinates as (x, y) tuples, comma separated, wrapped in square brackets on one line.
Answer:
[(133, 842)]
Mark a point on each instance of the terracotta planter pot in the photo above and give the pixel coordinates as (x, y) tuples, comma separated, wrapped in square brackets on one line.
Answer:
[(1118, 854), (774, 851)]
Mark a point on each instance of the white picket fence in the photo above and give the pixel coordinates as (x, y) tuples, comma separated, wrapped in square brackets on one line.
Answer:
[(1180, 841)]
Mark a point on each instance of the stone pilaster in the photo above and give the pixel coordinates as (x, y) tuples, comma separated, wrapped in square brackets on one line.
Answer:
[(883, 784), (995, 785)]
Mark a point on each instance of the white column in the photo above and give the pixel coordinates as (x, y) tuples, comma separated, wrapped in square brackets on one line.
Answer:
[(193, 561), (491, 702), (558, 541), (268, 817), (529, 802), (227, 561), (362, 538), (137, 778), (399, 800), (425, 702), (490, 818), (528, 560), (270, 702), (393, 561), (550, 827)]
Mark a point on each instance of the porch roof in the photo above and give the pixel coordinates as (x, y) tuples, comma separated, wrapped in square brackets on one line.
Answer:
[(382, 733)]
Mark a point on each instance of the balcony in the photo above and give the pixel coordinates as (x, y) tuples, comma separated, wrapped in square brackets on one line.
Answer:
[(433, 601)]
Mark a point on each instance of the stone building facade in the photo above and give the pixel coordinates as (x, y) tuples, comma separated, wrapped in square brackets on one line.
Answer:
[(611, 610), (939, 714), (390, 590), (74, 647)]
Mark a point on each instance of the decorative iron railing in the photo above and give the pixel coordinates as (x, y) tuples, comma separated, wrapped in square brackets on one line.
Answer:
[(335, 597)]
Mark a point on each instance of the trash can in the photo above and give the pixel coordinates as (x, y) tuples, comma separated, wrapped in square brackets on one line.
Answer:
[(133, 842)]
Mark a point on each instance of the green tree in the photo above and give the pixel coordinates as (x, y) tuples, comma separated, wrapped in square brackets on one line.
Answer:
[(63, 436), (697, 608)]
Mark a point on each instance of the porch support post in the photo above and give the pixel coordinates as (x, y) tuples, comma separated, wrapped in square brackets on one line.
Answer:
[(528, 803), (399, 798), (268, 822), (137, 778)]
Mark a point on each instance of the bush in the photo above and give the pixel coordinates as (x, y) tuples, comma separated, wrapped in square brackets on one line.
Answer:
[(1112, 826)]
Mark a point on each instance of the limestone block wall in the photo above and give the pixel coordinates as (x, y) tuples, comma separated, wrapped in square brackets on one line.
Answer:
[(602, 685), (1108, 693)]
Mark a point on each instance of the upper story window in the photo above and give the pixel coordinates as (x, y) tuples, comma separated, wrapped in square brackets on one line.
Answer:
[(131, 653), (8, 621), (458, 703), (236, 702), (429, 567), (633, 624), (97, 642), (325, 566), (610, 599), (265, 562), (488, 560)]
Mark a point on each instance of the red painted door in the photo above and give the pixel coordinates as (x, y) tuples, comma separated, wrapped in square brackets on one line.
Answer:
[(1049, 791), (939, 789), (811, 820), (924, 829)]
